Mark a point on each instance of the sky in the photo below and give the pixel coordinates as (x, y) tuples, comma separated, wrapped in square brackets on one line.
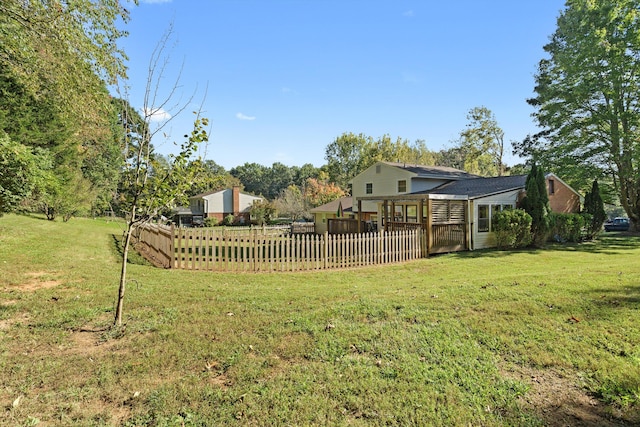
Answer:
[(279, 80)]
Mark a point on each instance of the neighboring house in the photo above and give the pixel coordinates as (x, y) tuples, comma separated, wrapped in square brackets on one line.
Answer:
[(453, 206), (220, 204), (182, 217), (341, 208)]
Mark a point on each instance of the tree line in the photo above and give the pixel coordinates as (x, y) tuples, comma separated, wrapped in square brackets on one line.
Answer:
[(66, 141)]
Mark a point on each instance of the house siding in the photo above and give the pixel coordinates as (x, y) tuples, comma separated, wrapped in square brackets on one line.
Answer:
[(483, 240), (422, 184), (385, 183), (223, 203)]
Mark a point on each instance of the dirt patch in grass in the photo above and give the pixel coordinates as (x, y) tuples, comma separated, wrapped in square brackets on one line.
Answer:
[(6, 324), (561, 402), (37, 281)]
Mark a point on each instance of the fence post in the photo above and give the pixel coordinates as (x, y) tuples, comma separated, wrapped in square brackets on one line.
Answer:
[(325, 250)]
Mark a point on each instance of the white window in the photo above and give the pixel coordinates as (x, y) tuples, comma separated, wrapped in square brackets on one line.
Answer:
[(369, 188), (486, 212), (483, 218), (402, 186)]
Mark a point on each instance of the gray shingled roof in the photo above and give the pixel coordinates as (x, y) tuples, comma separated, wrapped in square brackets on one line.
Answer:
[(430, 171), (479, 187), (347, 205)]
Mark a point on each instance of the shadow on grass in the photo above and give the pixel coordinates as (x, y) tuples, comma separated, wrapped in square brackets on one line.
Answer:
[(609, 244), (623, 296), (35, 215), (133, 257)]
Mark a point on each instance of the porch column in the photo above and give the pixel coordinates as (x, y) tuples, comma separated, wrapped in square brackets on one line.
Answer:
[(359, 216), (393, 213), (385, 215), (429, 226)]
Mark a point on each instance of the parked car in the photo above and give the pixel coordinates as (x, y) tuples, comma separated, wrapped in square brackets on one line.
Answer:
[(617, 224)]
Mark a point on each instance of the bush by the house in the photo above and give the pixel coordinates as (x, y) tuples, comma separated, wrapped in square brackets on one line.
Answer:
[(210, 221), (262, 212), (512, 228), (228, 220), (567, 227)]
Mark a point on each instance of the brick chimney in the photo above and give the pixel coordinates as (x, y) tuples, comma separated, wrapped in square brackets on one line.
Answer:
[(236, 200)]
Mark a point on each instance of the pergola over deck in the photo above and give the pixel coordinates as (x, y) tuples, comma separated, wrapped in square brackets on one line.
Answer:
[(444, 218)]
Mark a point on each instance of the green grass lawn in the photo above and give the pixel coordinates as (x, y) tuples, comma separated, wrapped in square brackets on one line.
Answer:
[(488, 338)]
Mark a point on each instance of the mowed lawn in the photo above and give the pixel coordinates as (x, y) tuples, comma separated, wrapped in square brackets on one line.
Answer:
[(489, 338)]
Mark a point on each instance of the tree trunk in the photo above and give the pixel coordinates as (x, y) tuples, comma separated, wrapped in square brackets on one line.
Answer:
[(123, 276)]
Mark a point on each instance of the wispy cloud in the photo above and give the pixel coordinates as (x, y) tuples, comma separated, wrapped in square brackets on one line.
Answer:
[(289, 91), (409, 14), (156, 114), (241, 116), (409, 77)]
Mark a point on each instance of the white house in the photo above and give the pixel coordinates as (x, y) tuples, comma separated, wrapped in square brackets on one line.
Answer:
[(222, 203), (453, 206), (385, 179)]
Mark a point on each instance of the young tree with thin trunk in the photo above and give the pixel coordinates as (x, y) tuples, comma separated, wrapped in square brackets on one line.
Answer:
[(150, 185)]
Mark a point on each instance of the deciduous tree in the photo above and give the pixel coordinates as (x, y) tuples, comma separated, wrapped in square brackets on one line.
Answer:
[(21, 173), (587, 97), (347, 156), (150, 186), (290, 203), (320, 191), (482, 142)]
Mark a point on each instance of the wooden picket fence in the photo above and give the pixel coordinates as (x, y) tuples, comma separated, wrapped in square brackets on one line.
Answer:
[(256, 251)]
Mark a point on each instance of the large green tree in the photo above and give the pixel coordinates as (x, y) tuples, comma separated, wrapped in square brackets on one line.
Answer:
[(35, 35), (253, 176), (22, 172), (347, 156), (482, 143), (350, 154), (56, 58), (588, 98)]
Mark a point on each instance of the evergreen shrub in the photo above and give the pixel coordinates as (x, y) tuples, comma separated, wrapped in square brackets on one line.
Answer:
[(512, 228), (567, 227)]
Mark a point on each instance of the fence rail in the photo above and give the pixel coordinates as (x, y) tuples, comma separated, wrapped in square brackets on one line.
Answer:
[(253, 251)]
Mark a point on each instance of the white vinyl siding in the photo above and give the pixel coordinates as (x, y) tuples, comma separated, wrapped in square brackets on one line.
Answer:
[(384, 179), (489, 205)]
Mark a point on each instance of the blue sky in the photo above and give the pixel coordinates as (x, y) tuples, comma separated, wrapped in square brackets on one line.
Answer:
[(285, 78)]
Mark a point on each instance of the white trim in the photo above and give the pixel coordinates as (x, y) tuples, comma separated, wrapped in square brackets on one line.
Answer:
[(446, 197)]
